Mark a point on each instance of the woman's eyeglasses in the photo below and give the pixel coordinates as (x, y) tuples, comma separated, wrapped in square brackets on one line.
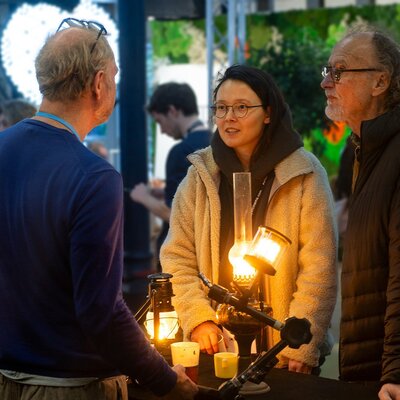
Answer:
[(81, 23), (239, 109)]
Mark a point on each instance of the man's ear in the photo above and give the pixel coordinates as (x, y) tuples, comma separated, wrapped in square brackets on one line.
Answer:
[(173, 111), (382, 84), (98, 83)]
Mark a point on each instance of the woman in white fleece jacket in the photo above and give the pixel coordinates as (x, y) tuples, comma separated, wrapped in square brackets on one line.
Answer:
[(292, 195)]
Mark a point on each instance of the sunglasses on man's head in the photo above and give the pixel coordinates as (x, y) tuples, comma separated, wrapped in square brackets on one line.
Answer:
[(82, 23)]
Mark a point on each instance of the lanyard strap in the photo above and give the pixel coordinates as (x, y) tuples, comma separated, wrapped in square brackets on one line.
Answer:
[(258, 194), (60, 120)]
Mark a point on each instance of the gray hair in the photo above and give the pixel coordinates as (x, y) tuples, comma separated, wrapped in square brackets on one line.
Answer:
[(388, 53), (66, 66)]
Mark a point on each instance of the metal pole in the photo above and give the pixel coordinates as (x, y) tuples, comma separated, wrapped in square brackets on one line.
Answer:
[(210, 50), (242, 31), (231, 31), (133, 137)]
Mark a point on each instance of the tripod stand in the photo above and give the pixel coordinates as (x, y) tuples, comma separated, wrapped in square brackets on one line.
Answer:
[(294, 332)]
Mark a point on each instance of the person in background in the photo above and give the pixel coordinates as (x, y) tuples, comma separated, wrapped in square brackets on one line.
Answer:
[(174, 107), (13, 111), (290, 193), (66, 332), (98, 148), (342, 186), (342, 190), (362, 86)]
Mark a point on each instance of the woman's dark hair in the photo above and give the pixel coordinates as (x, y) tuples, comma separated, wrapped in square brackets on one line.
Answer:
[(262, 83)]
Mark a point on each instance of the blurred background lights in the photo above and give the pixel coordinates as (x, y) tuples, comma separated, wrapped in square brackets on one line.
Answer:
[(26, 32)]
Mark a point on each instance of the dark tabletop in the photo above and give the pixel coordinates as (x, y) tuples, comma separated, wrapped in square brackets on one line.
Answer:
[(284, 385)]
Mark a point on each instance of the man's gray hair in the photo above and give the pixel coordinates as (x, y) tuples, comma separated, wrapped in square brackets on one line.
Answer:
[(65, 69), (388, 52)]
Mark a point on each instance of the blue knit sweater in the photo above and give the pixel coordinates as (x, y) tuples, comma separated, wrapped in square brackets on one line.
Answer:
[(61, 261)]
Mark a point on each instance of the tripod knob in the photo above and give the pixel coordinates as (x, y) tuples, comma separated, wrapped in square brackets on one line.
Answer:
[(296, 331)]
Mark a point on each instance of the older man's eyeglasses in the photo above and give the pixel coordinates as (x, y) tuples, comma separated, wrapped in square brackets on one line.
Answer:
[(336, 73), (239, 109), (81, 23)]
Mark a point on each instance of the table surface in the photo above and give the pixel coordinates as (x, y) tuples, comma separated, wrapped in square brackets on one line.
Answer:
[(284, 385)]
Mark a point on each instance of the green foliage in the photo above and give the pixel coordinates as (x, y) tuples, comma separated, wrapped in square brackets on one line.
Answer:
[(336, 32), (296, 68), (328, 153), (320, 19), (170, 40), (259, 36)]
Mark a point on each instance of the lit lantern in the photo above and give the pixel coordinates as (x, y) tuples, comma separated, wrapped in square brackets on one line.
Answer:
[(243, 272), (161, 319), (250, 259), (266, 250), (168, 327)]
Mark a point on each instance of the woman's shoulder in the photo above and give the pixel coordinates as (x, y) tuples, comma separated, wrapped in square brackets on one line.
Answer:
[(203, 161), (204, 154), (204, 169), (306, 157), (300, 162)]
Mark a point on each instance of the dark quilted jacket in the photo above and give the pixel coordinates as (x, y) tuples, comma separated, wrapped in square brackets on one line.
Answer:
[(370, 325)]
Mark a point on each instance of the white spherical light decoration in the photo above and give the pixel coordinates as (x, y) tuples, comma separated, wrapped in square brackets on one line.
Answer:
[(27, 31)]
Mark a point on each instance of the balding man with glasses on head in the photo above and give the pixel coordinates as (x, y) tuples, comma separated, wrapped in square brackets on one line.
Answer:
[(362, 86), (66, 332)]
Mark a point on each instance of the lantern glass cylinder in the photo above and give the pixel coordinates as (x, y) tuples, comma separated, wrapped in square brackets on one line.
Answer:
[(243, 272), (168, 327)]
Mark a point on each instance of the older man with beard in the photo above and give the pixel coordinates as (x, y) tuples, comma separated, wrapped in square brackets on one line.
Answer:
[(362, 86)]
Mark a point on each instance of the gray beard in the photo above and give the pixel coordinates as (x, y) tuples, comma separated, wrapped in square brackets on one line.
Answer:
[(334, 113)]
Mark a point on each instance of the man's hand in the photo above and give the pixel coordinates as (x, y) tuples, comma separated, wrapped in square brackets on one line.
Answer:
[(140, 193), (185, 388), (298, 366), (207, 335), (389, 391)]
